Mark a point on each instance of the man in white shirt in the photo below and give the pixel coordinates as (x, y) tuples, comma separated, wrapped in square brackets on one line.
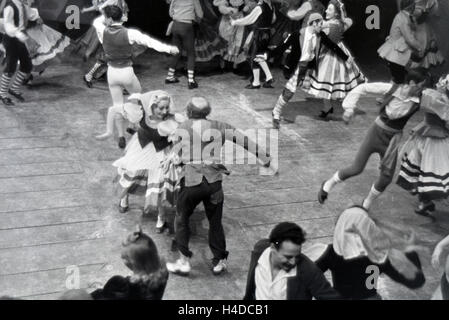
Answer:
[(118, 44), (16, 15), (279, 271)]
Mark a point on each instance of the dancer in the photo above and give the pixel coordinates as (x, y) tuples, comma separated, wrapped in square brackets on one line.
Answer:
[(284, 26), (425, 165), (384, 135), (334, 77), (360, 247), (431, 56), (91, 39), (140, 170), (117, 42), (314, 41), (184, 13), (16, 15), (234, 35), (303, 13), (149, 275), (399, 46), (260, 19), (202, 181)]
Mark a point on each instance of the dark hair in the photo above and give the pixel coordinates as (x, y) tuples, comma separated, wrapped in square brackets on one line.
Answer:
[(336, 5), (113, 12), (287, 231), (406, 3), (142, 249), (418, 75)]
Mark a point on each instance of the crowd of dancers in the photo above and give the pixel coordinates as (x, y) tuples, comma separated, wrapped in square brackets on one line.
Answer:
[(252, 33)]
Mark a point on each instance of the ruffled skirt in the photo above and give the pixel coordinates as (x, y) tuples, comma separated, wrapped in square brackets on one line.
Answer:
[(334, 78), (425, 167), (140, 171)]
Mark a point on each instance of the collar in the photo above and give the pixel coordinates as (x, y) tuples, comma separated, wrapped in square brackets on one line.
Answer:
[(402, 94), (265, 263)]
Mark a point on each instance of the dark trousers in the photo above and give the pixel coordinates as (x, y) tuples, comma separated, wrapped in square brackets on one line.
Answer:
[(377, 141), (211, 194), (184, 38), (16, 51)]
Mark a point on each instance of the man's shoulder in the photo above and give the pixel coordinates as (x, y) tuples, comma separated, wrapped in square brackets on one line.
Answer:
[(261, 245)]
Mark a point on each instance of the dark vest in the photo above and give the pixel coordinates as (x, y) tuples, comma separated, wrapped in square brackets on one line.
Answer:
[(116, 47), (16, 12), (317, 7), (265, 19), (400, 123), (146, 135)]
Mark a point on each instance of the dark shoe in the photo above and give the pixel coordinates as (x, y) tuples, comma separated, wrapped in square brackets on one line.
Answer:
[(324, 114), (322, 195), (193, 85), (88, 83), (7, 101), (251, 86), (160, 230), (425, 211), (171, 81), (122, 209), (125, 92), (269, 84), (17, 95), (28, 79), (131, 131), (122, 142)]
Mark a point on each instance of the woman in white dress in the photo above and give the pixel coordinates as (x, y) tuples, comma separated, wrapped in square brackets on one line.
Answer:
[(146, 167)]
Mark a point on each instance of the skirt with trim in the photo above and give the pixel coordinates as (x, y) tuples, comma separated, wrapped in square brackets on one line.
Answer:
[(140, 172), (51, 43), (208, 43), (334, 78), (425, 167)]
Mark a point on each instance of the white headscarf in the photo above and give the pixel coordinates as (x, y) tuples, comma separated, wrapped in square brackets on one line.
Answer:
[(357, 235)]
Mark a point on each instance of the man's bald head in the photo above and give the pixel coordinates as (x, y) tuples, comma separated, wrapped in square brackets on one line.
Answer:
[(198, 108)]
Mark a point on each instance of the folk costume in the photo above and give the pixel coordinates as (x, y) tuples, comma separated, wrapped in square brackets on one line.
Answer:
[(383, 137), (259, 20), (16, 17)]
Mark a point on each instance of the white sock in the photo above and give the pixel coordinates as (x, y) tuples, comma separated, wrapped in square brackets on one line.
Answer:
[(124, 202), (266, 70), (332, 182), (373, 195), (256, 74)]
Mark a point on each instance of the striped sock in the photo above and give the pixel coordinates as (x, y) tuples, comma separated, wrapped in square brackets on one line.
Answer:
[(277, 111), (18, 81), (191, 75), (171, 74), (90, 74), (4, 85)]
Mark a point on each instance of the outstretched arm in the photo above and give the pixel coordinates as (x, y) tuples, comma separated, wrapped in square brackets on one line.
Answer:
[(300, 13), (350, 102), (249, 19), (137, 37)]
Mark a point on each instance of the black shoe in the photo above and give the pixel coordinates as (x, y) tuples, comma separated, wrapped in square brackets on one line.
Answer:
[(324, 114), (251, 86), (125, 92), (425, 211), (88, 83), (28, 79), (122, 142), (322, 195), (131, 131), (269, 84), (171, 81), (162, 229), (193, 85), (122, 209), (17, 95), (7, 101)]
